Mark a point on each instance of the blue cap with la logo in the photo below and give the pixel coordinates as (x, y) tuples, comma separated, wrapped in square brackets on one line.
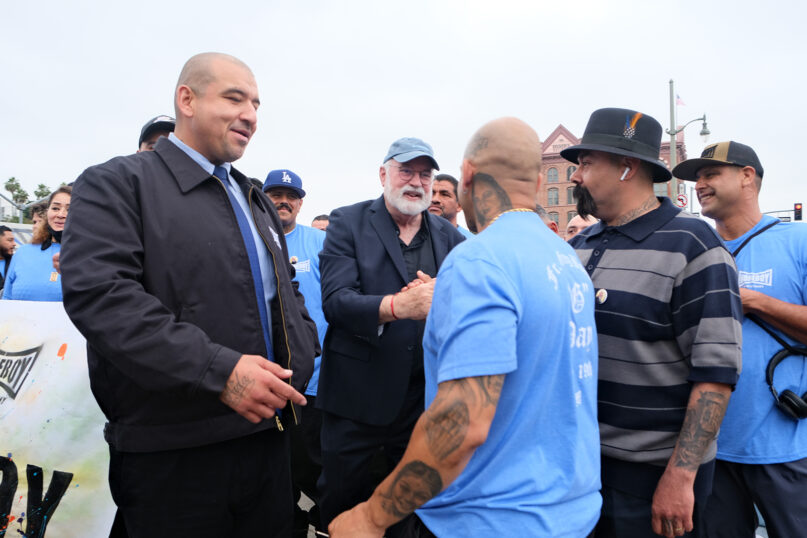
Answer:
[(284, 178)]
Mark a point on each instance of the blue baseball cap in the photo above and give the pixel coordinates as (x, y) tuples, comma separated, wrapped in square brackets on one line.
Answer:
[(404, 150), (284, 178)]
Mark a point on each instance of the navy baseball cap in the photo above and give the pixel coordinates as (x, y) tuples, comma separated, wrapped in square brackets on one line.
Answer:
[(158, 123), (404, 150), (284, 178), (720, 154)]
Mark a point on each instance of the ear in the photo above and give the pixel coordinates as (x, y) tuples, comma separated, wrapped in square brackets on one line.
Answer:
[(185, 100), (634, 167), (468, 170), (747, 174), (382, 174), (539, 182)]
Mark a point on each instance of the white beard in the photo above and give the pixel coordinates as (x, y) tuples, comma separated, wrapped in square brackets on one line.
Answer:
[(408, 207)]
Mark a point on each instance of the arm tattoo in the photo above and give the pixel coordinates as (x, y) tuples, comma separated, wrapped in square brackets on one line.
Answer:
[(236, 389), (446, 426), (489, 198), (491, 387), (700, 428), (415, 484), (449, 416)]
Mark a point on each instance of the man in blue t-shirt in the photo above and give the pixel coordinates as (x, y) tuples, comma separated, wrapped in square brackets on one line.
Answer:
[(508, 444), (285, 189), (762, 449)]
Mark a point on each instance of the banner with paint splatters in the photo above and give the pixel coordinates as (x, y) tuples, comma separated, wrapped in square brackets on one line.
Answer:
[(53, 457)]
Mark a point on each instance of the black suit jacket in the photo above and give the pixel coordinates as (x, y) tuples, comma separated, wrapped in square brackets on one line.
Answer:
[(364, 376)]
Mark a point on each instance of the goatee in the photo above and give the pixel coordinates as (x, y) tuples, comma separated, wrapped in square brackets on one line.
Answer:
[(585, 203)]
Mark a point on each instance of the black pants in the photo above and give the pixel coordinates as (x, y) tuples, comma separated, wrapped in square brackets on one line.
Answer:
[(306, 464), (235, 488), (348, 451), (778, 489), (627, 499)]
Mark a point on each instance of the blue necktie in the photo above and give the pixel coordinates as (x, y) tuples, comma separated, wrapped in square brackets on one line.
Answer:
[(252, 252)]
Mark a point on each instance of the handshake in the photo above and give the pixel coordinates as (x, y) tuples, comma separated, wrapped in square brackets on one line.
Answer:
[(412, 302)]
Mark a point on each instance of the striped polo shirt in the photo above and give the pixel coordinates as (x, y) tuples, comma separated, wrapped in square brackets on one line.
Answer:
[(668, 314)]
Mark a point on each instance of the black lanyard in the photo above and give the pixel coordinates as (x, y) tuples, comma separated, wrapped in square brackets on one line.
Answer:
[(753, 317)]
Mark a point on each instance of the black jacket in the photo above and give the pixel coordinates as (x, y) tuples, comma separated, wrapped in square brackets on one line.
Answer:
[(156, 277), (364, 376)]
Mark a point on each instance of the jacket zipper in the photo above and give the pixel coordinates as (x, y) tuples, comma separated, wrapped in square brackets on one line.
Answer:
[(282, 316), (282, 310)]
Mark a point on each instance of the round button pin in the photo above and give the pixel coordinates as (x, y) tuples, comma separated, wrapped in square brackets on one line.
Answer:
[(601, 295)]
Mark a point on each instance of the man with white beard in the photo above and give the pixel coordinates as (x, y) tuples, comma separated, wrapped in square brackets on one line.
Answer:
[(377, 271)]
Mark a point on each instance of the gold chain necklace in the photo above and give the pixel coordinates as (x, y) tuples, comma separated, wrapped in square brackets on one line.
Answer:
[(517, 210)]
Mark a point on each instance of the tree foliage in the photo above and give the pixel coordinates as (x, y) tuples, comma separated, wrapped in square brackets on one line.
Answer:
[(42, 191), (18, 194)]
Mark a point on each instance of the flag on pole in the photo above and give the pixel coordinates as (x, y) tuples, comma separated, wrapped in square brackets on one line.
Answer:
[(678, 100)]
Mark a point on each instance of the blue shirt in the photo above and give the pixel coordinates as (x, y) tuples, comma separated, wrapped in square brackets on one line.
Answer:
[(754, 430), (466, 233), (304, 244), (267, 273), (501, 307), (31, 276)]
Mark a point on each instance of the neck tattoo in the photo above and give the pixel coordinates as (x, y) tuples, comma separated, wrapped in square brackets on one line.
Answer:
[(647, 206)]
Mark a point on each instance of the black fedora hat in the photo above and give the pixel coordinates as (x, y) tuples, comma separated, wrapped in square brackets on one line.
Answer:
[(623, 132)]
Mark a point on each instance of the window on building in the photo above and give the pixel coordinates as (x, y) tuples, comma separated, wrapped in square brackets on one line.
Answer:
[(552, 196), (570, 196), (570, 215), (553, 215), (569, 171), (552, 175), (660, 189)]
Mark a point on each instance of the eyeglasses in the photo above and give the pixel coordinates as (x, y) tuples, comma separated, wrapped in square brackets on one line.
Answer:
[(407, 173)]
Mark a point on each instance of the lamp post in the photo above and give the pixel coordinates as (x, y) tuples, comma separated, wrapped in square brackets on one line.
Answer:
[(673, 132)]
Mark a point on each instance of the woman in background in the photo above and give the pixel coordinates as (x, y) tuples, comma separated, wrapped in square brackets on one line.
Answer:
[(31, 275)]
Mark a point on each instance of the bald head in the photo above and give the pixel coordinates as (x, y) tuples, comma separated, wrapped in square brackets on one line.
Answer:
[(199, 71), (501, 170), (507, 148)]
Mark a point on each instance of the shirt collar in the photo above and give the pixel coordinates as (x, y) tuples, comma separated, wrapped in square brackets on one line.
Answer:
[(196, 156), (641, 227)]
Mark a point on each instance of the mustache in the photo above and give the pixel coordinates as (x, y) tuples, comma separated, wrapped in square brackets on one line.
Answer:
[(282, 205), (585, 203)]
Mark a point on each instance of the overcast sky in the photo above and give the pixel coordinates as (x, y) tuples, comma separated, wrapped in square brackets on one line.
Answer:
[(339, 81)]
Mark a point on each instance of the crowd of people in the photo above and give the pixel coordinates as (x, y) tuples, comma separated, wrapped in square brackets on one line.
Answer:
[(414, 378)]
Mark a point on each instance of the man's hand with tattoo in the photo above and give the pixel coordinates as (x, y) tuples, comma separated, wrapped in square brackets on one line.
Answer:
[(674, 499), (257, 386), (443, 441)]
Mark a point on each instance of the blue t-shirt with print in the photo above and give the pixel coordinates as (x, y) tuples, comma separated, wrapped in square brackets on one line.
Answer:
[(304, 244), (31, 276), (754, 430), (515, 300)]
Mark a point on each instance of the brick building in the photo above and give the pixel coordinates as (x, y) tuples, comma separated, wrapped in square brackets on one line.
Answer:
[(556, 193)]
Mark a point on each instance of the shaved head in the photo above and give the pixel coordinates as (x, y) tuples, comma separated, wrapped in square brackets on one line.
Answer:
[(501, 170), (198, 72), (506, 148)]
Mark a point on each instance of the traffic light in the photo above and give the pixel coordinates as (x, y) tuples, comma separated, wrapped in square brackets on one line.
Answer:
[(796, 211)]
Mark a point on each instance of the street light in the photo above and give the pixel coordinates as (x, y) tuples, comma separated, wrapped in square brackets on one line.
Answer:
[(673, 132)]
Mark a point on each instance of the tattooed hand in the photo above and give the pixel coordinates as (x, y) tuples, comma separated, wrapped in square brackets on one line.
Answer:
[(674, 498), (256, 387)]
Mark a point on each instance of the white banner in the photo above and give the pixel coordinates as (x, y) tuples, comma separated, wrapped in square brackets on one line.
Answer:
[(53, 457)]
